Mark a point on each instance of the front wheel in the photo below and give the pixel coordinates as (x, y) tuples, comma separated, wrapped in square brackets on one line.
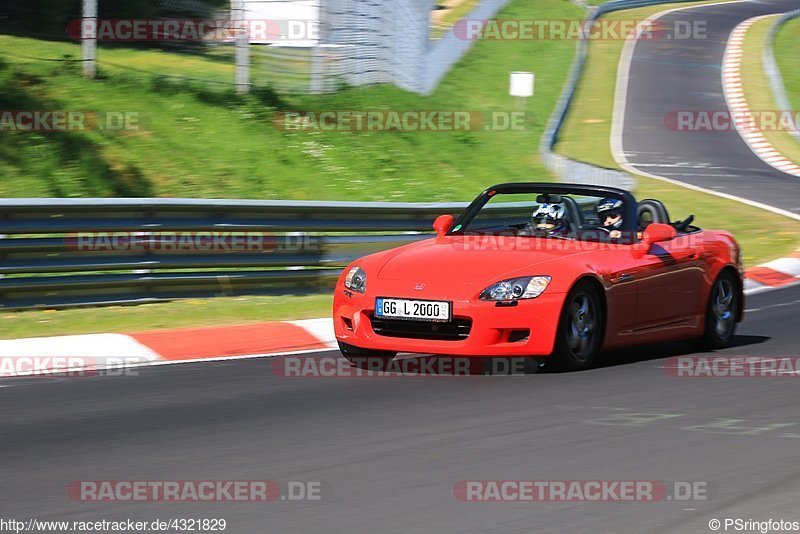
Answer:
[(372, 360), (722, 313), (580, 329)]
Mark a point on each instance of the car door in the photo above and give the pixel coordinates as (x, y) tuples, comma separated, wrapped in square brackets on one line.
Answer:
[(669, 278)]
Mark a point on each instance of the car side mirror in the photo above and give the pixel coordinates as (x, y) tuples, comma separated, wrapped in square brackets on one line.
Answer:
[(658, 233), (442, 224), (655, 233)]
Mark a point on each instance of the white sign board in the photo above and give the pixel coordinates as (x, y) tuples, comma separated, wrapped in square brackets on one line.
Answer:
[(521, 84), (282, 22)]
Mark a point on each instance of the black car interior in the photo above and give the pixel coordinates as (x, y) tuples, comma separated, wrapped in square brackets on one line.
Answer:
[(582, 218), (653, 211)]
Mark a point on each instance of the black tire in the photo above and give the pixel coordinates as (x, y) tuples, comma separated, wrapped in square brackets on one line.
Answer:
[(375, 360), (580, 329), (722, 312)]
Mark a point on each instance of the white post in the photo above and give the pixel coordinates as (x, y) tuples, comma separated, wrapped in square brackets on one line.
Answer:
[(89, 38), (316, 74), (521, 86), (242, 46)]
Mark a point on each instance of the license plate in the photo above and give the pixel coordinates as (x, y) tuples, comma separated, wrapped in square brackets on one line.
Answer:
[(420, 310)]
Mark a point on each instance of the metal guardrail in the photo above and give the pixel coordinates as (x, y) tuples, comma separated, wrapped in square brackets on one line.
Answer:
[(303, 247), (771, 66), (565, 168)]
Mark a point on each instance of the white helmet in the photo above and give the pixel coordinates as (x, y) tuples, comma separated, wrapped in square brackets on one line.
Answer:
[(549, 214)]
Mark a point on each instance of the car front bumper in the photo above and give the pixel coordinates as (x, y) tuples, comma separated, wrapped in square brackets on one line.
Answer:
[(494, 331)]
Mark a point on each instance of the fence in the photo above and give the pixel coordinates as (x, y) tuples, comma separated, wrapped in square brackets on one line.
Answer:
[(365, 42), (244, 43), (375, 41), (302, 247), (54, 31), (440, 55), (577, 172)]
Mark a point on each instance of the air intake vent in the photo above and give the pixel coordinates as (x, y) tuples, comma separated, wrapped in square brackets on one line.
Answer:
[(455, 330)]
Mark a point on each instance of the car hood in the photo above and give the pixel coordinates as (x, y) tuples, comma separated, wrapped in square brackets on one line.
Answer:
[(475, 259)]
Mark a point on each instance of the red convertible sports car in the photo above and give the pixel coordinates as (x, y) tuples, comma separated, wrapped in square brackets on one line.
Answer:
[(558, 273)]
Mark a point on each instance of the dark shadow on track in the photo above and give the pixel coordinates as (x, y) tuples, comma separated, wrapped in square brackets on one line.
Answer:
[(667, 350), (475, 366)]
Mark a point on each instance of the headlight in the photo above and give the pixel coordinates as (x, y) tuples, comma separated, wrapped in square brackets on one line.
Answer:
[(527, 287), (356, 280)]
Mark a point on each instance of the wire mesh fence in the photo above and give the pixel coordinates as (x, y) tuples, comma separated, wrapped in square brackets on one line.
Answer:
[(289, 45), (50, 30), (26, 31)]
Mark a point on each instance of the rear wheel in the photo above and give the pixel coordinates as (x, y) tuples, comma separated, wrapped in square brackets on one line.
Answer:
[(580, 329), (374, 360), (722, 312)]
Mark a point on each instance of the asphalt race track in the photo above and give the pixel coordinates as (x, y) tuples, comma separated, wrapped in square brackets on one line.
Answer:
[(389, 450), (686, 74)]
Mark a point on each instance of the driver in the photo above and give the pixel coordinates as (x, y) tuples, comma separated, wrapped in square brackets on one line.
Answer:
[(550, 220), (609, 211)]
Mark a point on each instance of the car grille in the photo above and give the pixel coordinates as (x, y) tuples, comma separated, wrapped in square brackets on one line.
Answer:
[(454, 330)]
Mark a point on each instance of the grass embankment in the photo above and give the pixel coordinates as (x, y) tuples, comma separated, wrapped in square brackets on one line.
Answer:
[(182, 313), (788, 57), (586, 137), (202, 141), (448, 13), (757, 89)]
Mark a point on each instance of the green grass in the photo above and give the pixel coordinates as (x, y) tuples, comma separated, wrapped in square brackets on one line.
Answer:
[(453, 15), (788, 58), (185, 313), (586, 137), (757, 89), (214, 65), (202, 141)]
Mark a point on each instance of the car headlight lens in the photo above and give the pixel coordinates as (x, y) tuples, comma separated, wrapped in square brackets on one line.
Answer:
[(527, 287), (356, 280)]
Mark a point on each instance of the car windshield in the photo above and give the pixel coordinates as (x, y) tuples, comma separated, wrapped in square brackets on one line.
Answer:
[(547, 215)]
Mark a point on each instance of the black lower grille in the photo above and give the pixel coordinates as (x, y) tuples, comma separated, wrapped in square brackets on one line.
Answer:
[(454, 330)]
